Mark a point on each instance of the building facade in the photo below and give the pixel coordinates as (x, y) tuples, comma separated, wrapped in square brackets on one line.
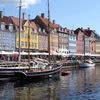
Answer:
[(92, 42), (97, 47), (7, 34), (85, 41), (43, 40), (63, 41), (79, 36), (72, 43)]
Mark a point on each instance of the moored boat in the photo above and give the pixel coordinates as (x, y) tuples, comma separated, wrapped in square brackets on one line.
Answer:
[(86, 63), (39, 73), (36, 69), (65, 73)]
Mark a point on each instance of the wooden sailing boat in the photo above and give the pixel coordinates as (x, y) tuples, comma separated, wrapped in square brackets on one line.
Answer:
[(46, 70)]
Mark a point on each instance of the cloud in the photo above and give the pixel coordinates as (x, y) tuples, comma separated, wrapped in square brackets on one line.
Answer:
[(25, 3)]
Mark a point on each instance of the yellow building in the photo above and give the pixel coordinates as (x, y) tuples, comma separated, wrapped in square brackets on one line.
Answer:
[(29, 35), (97, 46)]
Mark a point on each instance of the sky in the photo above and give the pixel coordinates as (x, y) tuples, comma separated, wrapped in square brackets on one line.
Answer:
[(68, 13)]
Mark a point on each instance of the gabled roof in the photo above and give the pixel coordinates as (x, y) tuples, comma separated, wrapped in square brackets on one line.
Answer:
[(15, 21), (77, 30), (43, 22), (6, 20), (56, 26), (87, 32), (33, 25)]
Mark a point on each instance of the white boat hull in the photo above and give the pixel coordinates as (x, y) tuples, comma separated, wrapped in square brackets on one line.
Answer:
[(84, 65)]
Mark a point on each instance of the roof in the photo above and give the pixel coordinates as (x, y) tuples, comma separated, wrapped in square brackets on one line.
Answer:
[(33, 24), (15, 21), (44, 22), (87, 32), (6, 20), (55, 26)]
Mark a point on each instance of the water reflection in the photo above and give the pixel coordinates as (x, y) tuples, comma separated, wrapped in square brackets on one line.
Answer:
[(82, 84), (44, 90)]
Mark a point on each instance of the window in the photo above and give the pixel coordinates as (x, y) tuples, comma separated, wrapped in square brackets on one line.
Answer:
[(2, 26), (22, 43), (6, 27), (11, 27), (26, 44), (35, 45)]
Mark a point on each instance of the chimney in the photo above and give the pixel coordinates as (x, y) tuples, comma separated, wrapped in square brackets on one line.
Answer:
[(53, 21), (88, 28), (23, 15), (42, 15), (1, 14), (81, 28)]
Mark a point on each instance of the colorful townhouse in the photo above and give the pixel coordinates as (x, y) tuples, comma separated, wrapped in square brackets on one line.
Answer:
[(97, 47), (7, 33), (29, 35), (34, 37), (85, 41), (41, 22), (63, 41), (92, 40), (54, 39), (72, 43), (43, 40), (79, 38)]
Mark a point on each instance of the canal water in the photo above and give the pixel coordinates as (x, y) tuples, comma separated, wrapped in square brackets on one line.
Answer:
[(80, 84)]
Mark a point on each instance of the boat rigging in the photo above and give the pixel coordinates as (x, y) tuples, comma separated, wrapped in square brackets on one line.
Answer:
[(19, 43), (49, 57)]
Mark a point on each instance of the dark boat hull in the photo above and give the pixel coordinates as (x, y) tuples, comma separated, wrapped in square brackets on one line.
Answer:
[(25, 74), (39, 75)]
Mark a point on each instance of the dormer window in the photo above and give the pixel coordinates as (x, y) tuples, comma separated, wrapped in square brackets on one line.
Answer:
[(39, 29), (35, 31), (65, 30), (10, 27), (59, 29), (55, 30), (2, 26), (43, 30)]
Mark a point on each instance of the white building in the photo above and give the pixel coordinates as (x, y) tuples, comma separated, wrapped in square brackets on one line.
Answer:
[(7, 34), (72, 43)]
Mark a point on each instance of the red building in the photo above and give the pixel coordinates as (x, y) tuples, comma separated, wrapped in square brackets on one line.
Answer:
[(86, 35)]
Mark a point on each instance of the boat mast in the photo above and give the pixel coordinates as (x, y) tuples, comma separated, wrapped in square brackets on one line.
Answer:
[(49, 31), (19, 45), (28, 39)]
